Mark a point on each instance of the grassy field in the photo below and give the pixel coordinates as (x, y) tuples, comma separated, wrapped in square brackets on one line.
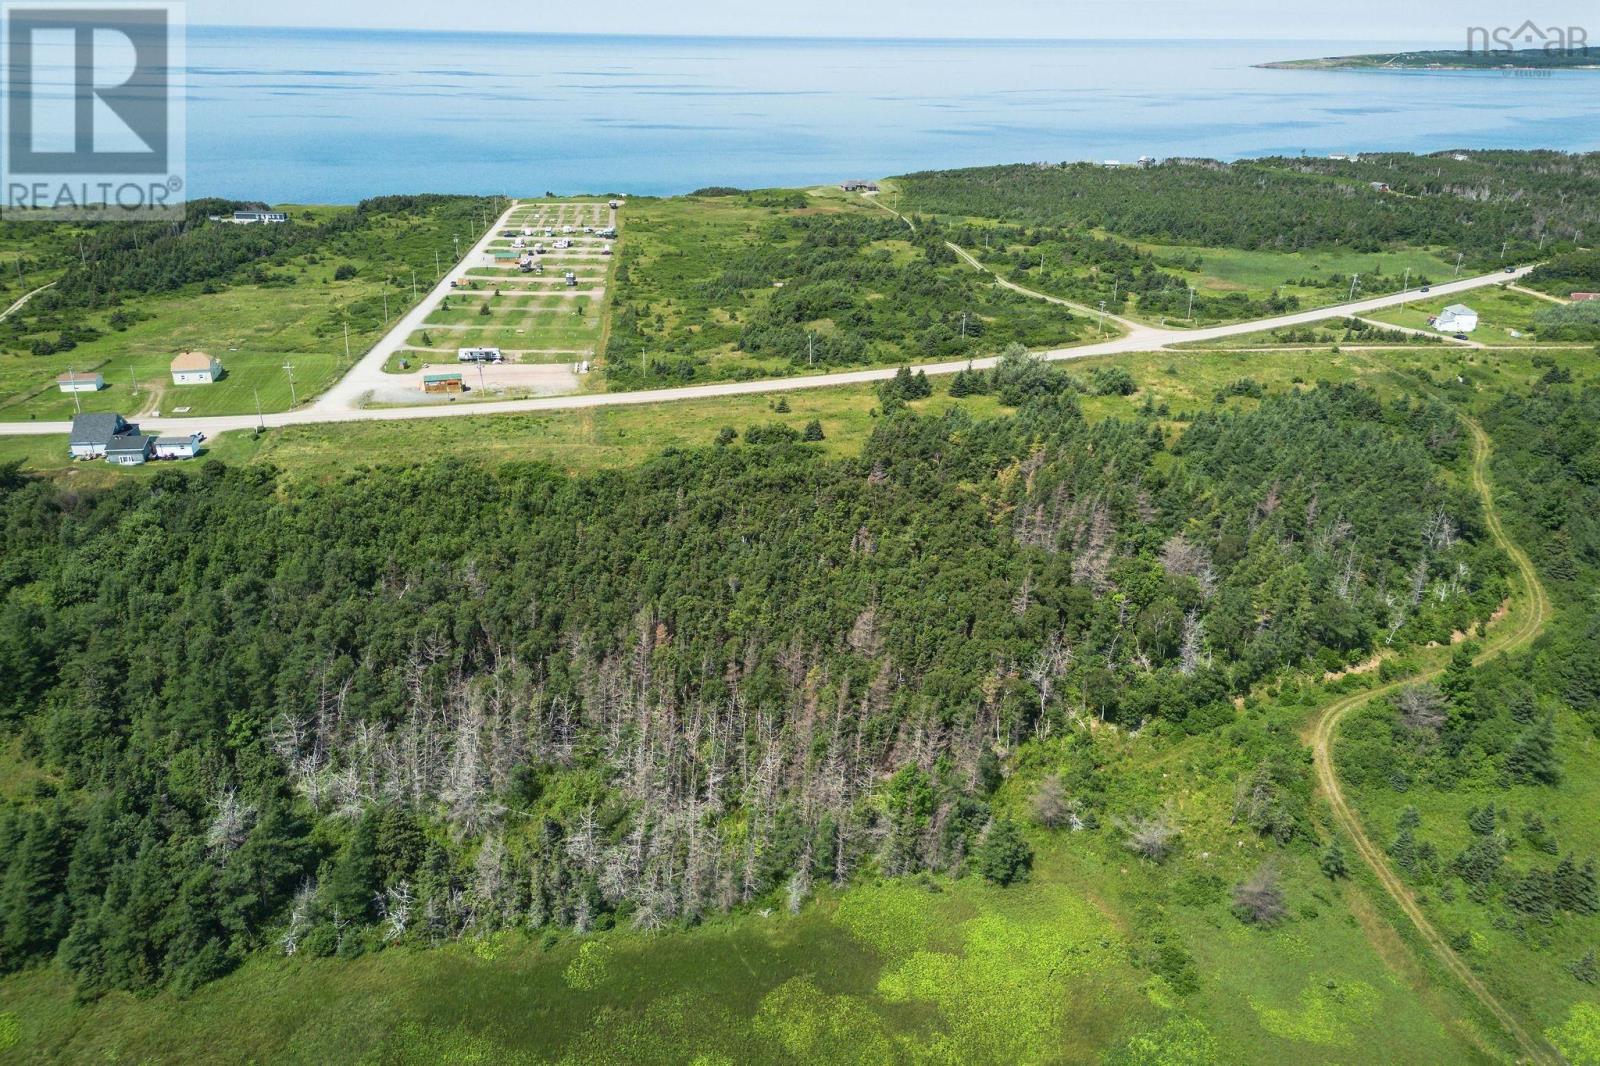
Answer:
[(1222, 270), (299, 314), (1504, 316), (1176, 383), (786, 281)]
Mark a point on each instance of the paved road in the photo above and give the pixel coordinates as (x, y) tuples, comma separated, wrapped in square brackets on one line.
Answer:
[(341, 403)]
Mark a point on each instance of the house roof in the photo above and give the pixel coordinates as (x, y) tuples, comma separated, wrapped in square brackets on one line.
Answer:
[(97, 428), (1459, 309), (168, 442), (441, 377), (193, 361), (128, 442), (68, 378)]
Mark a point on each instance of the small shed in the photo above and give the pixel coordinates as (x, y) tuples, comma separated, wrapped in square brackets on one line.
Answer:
[(1580, 297), (80, 382), (443, 383), (195, 368), (178, 447), (130, 449)]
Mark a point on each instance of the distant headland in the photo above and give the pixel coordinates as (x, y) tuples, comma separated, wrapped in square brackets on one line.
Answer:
[(1453, 59)]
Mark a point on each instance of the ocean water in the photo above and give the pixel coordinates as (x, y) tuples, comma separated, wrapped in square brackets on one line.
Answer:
[(333, 116)]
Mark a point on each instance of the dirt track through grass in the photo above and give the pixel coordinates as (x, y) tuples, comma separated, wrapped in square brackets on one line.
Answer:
[(1529, 621)]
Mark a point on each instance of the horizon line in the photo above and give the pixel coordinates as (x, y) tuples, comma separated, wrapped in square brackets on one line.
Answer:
[(887, 38)]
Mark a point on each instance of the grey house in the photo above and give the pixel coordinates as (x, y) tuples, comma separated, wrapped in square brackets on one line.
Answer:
[(129, 449), (92, 434)]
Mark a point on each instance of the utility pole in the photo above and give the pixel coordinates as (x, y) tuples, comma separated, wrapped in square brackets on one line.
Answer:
[(1459, 256), (133, 380), (811, 349), (438, 273), (1503, 246), (1102, 318), (1355, 279), (413, 284), (72, 375), (261, 422), (386, 282), (963, 325), (288, 368), (1190, 316), (347, 340)]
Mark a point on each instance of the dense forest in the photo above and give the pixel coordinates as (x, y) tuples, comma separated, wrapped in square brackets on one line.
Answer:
[(429, 702), (1526, 201)]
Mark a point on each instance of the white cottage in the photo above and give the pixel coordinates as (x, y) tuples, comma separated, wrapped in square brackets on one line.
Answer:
[(1457, 318), (195, 368)]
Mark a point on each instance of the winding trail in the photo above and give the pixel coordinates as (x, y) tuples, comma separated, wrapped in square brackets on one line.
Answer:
[(1324, 729), (20, 304)]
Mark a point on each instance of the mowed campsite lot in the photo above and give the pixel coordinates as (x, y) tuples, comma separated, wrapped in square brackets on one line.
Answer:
[(533, 316)]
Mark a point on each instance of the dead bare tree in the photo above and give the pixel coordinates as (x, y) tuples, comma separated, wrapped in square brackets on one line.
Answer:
[(1151, 837), (1259, 900), (1049, 805), (1422, 708), (1182, 557)]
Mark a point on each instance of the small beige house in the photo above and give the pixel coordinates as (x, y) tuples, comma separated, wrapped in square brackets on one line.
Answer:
[(195, 368)]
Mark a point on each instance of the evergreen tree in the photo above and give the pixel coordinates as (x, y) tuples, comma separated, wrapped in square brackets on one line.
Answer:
[(1533, 760), (1002, 856), (1333, 862)]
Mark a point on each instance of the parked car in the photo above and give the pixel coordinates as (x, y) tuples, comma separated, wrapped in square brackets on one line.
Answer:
[(1425, 288)]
